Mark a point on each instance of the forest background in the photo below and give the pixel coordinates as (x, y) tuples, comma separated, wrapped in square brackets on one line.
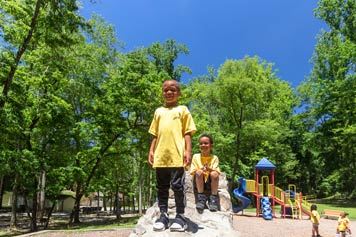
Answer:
[(75, 109)]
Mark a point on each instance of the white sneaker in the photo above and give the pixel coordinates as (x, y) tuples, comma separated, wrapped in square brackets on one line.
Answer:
[(162, 222), (179, 224)]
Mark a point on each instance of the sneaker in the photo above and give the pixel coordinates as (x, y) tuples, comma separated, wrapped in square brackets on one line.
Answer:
[(213, 203), (201, 202), (179, 223), (162, 222)]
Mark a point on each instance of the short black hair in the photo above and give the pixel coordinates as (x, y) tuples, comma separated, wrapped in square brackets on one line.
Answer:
[(208, 136), (177, 84), (313, 207)]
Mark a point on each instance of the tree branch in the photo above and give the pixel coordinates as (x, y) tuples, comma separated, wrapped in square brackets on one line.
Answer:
[(19, 53)]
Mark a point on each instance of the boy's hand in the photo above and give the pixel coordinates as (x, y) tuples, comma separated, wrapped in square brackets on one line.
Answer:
[(150, 158), (206, 168), (151, 152), (188, 149), (187, 158)]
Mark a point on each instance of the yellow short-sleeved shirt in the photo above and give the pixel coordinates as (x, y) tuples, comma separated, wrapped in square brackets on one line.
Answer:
[(169, 126), (199, 161), (343, 223), (314, 217)]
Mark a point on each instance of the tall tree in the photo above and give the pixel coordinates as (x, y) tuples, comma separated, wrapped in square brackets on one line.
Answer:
[(30, 79), (165, 55), (329, 95), (25, 23), (247, 109)]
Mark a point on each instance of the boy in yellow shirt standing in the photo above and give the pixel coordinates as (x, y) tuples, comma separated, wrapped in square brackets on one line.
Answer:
[(314, 217), (170, 151)]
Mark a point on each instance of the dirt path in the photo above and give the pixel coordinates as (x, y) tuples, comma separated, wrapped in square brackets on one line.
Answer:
[(248, 225)]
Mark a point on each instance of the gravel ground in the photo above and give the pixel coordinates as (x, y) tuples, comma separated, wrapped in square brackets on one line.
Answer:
[(248, 225)]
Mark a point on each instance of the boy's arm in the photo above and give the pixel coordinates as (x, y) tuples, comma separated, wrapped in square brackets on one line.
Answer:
[(152, 150), (194, 166), (188, 149)]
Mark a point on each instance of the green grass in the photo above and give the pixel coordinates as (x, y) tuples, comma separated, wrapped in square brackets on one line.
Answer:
[(127, 222), (61, 224), (342, 205)]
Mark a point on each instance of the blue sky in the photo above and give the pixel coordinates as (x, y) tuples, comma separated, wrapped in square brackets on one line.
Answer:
[(282, 32)]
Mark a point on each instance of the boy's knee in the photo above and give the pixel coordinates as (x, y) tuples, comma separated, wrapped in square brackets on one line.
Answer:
[(199, 176), (199, 173), (177, 185), (214, 175)]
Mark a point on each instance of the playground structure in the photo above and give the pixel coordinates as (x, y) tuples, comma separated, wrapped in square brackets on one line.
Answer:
[(267, 195), (239, 194)]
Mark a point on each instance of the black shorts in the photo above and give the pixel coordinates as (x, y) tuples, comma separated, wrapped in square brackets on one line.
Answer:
[(207, 184)]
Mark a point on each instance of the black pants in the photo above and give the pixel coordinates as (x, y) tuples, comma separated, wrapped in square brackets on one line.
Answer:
[(174, 178)]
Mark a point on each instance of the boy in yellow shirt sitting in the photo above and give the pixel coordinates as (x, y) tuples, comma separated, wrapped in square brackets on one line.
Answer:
[(206, 171)]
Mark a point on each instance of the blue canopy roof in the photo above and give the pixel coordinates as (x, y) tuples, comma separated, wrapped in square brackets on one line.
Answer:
[(265, 164)]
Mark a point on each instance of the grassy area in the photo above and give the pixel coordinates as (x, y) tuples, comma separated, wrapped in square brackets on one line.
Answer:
[(126, 222), (91, 222), (342, 205)]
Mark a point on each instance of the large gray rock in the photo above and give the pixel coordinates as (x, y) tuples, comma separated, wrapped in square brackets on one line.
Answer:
[(207, 224)]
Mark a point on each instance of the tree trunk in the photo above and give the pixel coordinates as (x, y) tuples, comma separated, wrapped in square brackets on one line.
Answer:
[(117, 202), (140, 199), (50, 214), (41, 194), (13, 220), (98, 204), (123, 203), (140, 191), (238, 144), (110, 202), (33, 225), (133, 204), (27, 209), (1, 189), (104, 202), (74, 216)]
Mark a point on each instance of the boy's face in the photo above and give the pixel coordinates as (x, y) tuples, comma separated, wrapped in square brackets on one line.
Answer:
[(171, 92), (205, 145)]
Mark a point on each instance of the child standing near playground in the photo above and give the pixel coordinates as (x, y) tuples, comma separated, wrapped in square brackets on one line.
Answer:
[(343, 225), (314, 217), (206, 171), (170, 151)]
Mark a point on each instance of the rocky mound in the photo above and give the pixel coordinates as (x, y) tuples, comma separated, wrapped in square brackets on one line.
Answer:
[(208, 223)]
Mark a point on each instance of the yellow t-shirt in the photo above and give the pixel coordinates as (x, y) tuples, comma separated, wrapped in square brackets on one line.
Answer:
[(169, 126), (199, 161), (314, 217), (343, 223)]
